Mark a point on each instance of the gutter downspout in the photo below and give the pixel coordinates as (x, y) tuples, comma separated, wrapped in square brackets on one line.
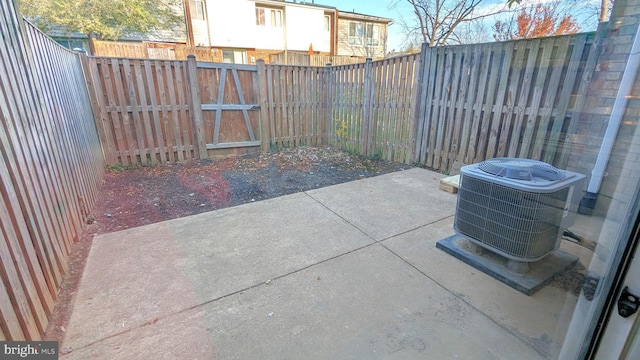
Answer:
[(588, 202), (286, 35)]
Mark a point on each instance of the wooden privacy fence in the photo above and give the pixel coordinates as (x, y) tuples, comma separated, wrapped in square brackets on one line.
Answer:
[(446, 105), (141, 110), (159, 111), (50, 170), (517, 99), (297, 106), (371, 109)]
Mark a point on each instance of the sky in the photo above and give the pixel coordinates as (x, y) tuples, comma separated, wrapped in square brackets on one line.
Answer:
[(385, 8)]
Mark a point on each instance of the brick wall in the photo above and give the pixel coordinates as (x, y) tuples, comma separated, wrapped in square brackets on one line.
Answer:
[(263, 54)]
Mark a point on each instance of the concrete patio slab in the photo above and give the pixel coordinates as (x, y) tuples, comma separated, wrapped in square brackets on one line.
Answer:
[(410, 199), (349, 271), (540, 319), (367, 304), (138, 275)]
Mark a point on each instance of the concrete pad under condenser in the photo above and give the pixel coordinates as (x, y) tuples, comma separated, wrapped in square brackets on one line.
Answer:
[(540, 273)]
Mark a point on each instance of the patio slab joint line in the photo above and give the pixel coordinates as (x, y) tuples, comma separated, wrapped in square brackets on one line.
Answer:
[(338, 215), (225, 296), (367, 235), (516, 335)]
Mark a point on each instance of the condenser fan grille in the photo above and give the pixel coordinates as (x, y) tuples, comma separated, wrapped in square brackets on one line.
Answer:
[(521, 169), (522, 225)]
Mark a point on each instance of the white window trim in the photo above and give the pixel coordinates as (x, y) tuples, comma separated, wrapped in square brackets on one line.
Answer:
[(239, 55), (276, 17), (355, 40), (272, 17), (365, 39), (259, 18), (194, 10)]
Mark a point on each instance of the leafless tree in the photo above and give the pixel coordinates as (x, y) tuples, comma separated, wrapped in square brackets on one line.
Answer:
[(438, 22)]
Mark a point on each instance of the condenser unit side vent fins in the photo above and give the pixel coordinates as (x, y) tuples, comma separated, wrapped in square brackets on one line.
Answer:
[(516, 220)]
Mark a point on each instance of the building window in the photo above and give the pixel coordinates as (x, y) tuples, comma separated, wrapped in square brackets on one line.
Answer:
[(327, 23), (260, 19), (364, 34), (372, 35), (233, 56), (276, 18), (197, 9), (356, 33)]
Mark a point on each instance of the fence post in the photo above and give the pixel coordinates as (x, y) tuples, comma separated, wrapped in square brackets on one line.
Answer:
[(195, 105), (420, 102), (263, 95), (328, 101), (366, 111)]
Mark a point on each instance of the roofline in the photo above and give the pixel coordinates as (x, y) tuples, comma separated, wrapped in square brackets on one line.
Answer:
[(291, 3), (341, 13), (355, 15)]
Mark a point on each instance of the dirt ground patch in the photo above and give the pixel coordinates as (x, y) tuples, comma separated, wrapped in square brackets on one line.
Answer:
[(147, 195)]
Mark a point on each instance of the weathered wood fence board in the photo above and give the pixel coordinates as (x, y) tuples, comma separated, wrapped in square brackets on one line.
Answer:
[(158, 111), (503, 99), (229, 96), (50, 171), (144, 110)]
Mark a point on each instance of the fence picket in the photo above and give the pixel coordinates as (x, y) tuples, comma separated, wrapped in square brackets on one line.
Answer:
[(504, 144), (469, 101), (521, 110), (565, 96), (483, 82), (580, 101), (457, 98), (175, 120), (542, 135), (487, 116), (156, 123), (120, 141), (443, 104), (499, 118), (534, 106), (131, 91)]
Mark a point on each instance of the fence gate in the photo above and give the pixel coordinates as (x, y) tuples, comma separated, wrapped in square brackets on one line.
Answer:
[(228, 96)]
